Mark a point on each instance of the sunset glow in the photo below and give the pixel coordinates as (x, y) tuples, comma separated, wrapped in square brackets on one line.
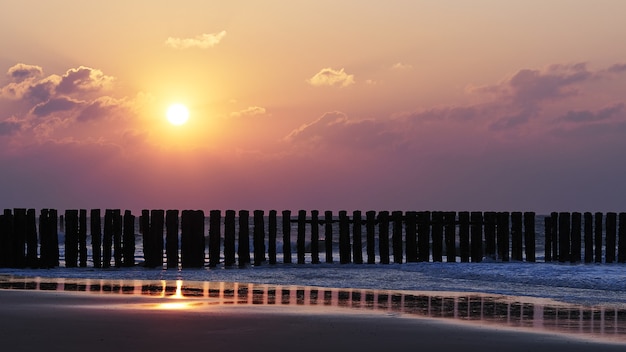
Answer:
[(436, 105)]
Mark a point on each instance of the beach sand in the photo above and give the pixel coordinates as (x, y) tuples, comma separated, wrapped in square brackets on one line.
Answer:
[(36, 320)]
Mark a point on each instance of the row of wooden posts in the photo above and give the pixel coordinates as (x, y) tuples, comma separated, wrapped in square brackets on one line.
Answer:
[(414, 237)]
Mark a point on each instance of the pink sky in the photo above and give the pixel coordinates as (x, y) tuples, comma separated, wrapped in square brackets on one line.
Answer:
[(357, 105)]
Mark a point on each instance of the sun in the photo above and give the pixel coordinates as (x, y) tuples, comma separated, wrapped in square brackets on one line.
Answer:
[(177, 114)]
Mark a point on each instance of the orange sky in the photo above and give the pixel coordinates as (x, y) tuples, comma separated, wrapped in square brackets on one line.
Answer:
[(481, 105)]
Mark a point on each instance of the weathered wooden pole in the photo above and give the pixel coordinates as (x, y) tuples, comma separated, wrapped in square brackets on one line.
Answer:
[(357, 242), (96, 237), (192, 239), (146, 237), (198, 239), (6, 236), (171, 238), (464, 236), (529, 236), (157, 220), (370, 234), (598, 238), (396, 236), (547, 223), (186, 219), (588, 237), (554, 217), (286, 236), (423, 236), (490, 235), (344, 238), (449, 219), (128, 240), (315, 237), (516, 236), (611, 237), (31, 239), (243, 250), (476, 219), (259, 237), (564, 236), (19, 237), (328, 235), (576, 244), (229, 238), (410, 230), (82, 238), (621, 249), (71, 237), (300, 240), (215, 218), (117, 237), (503, 234), (383, 237), (107, 240), (437, 230), (272, 234)]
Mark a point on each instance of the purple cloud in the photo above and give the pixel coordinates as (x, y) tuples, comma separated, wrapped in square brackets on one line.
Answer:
[(580, 116), (21, 72), (55, 105), (9, 127), (83, 79)]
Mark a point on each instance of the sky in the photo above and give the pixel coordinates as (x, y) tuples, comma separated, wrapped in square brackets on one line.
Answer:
[(350, 105)]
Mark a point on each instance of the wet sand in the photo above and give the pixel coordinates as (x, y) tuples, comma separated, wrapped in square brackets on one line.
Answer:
[(35, 320)]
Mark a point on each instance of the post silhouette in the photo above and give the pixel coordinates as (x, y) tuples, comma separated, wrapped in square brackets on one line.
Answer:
[(259, 237), (171, 238), (370, 233), (315, 236), (215, 217), (96, 237), (357, 243), (272, 234)]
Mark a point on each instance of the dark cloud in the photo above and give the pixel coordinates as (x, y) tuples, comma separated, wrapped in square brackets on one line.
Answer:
[(55, 105), (83, 79), (98, 109), (9, 127), (21, 72), (617, 68), (558, 81), (580, 116)]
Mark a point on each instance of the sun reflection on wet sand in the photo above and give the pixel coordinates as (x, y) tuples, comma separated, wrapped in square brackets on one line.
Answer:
[(605, 323)]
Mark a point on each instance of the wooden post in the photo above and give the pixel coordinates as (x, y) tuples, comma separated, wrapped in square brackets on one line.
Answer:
[(423, 236), (96, 237), (476, 219), (171, 238), (259, 237), (315, 236), (328, 235), (156, 236), (370, 235), (396, 236), (516, 236), (117, 237), (598, 238), (31, 239), (301, 241), (449, 219), (243, 250), (272, 232), (107, 240), (229, 238), (144, 227), (554, 216), (71, 237), (621, 250), (46, 234), (287, 236), (410, 230), (215, 218), (611, 237), (344, 238), (198, 239), (192, 239), (564, 237), (588, 237), (575, 248), (19, 238), (437, 224), (490, 235), (503, 233), (128, 240), (357, 242), (464, 236), (383, 237), (529, 236), (6, 237), (186, 219), (547, 222), (82, 238)]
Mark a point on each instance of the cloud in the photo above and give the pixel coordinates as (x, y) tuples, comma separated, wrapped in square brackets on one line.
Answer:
[(401, 66), (83, 79), (99, 109), (23, 72), (55, 105), (580, 116), (251, 111), (617, 68), (331, 77), (202, 41), (10, 126)]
